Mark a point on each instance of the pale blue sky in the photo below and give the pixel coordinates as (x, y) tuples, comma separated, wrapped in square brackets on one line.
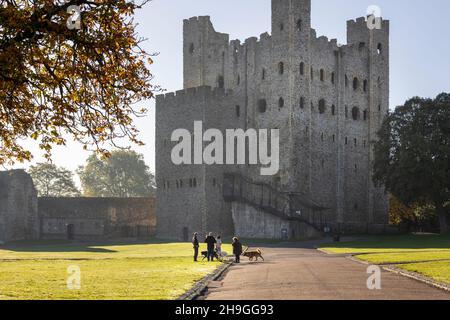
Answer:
[(420, 46)]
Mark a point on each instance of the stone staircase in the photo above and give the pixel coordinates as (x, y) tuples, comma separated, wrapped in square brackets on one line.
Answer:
[(285, 205)]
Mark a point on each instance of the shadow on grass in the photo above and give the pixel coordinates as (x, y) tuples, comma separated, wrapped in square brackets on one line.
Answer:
[(74, 246), (397, 242)]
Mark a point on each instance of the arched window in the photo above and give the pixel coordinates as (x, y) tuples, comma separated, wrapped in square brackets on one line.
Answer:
[(302, 102), (238, 111), (281, 68), (322, 106), (333, 110), (365, 115), (238, 81), (263, 74), (299, 25), (365, 85), (262, 105), (312, 73), (355, 83), (332, 77), (355, 113), (346, 81), (322, 75), (346, 111), (302, 68), (280, 103), (379, 48)]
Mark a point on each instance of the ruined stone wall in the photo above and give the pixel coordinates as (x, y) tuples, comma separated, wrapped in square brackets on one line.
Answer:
[(97, 217), (328, 101), (18, 207)]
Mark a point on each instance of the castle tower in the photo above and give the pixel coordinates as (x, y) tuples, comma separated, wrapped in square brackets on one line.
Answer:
[(291, 33), (327, 100), (376, 38), (204, 53)]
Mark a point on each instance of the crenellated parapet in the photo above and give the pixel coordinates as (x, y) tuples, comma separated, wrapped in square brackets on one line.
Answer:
[(196, 93)]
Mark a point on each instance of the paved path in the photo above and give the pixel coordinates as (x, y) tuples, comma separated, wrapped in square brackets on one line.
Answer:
[(307, 274)]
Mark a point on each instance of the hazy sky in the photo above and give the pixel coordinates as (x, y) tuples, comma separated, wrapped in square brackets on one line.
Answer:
[(420, 46)]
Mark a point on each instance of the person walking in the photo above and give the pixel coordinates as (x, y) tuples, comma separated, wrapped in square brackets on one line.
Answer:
[(195, 244), (210, 242), (237, 249)]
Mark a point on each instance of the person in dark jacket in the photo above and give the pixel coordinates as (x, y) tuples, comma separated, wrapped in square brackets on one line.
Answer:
[(195, 244), (210, 242), (237, 249)]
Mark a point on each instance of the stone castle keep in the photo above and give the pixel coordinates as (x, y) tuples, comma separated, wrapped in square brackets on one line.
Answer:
[(327, 100)]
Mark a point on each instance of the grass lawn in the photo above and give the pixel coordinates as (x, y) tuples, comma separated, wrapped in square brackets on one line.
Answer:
[(111, 271), (428, 255)]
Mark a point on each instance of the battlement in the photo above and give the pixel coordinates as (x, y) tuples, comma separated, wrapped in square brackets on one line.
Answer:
[(192, 93), (361, 22), (323, 41), (199, 19)]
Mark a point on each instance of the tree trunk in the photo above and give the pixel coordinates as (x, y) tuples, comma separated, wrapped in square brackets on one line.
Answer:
[(440, 211)]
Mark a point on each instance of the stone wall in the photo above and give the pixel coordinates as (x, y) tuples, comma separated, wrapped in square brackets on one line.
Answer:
[(189, 197), (328, 101), (253, 223), (18, 207), (97, 217)]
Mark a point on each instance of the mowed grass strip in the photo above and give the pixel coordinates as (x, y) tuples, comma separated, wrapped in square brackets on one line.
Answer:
[(151, 271), (439, 271), (428, 255)]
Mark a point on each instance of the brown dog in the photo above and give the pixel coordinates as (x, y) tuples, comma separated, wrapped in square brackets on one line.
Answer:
[(251, 254)]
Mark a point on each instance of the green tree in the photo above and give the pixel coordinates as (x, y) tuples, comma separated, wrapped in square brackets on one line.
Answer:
[(123, 174), (53, 181), (412, 155)]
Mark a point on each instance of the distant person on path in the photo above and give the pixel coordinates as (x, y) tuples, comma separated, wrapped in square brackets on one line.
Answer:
[(196, 245), (237, 249), (219, 246), (210, 242)]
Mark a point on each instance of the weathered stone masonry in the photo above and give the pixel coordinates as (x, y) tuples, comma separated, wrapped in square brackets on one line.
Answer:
[(24, 216), (96, 218), (328, 101), (18, 207)]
